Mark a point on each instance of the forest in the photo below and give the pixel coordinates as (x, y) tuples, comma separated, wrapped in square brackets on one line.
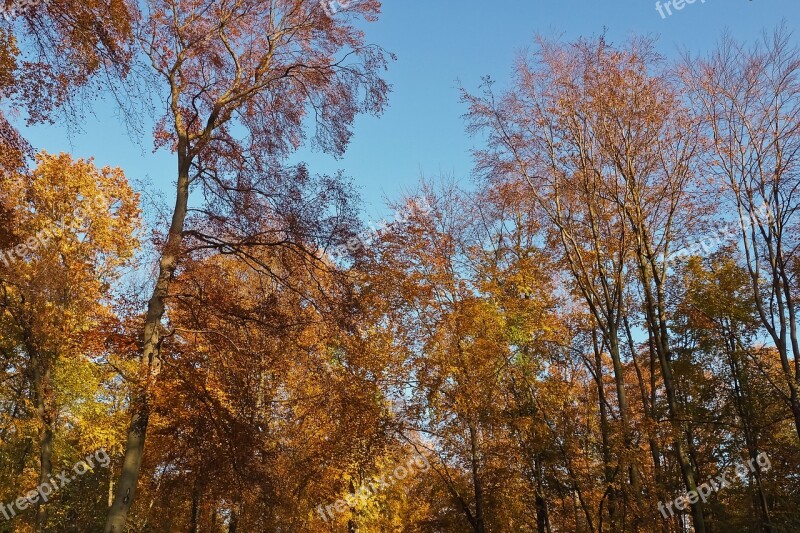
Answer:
[(595, 331)]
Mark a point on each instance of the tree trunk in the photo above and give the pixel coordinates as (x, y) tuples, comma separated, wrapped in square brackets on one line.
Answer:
[(657, 329), (197, 495), (542, 518), (150, 361), (741, 396), (655, 448), (234, 523), (351, 523), (624, 412), (476, 480), (608, 468), (41, 383), (773, 311)]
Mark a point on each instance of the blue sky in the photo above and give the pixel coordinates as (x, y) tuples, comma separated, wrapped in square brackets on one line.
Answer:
[(439, 44)]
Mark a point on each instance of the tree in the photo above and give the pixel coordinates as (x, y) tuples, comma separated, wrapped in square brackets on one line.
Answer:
[(437, 283), (52, 53), (263, 410), (240, 66), (609, 152), (749, 101), (721, 322), (76, 226)]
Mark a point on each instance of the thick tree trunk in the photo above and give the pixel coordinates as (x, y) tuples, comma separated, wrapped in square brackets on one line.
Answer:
[(140, 406), (234, 523)]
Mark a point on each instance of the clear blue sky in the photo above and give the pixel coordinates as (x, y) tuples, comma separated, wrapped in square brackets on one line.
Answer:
[(438, 44)]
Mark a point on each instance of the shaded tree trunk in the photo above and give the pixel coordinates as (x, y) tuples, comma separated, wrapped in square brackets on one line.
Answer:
[(197, 495), (655, 447), (741, 397), (542, 518), (608, 468), (234, 523)]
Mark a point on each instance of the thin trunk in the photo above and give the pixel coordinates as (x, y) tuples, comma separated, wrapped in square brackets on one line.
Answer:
[(41, 384), (608, 468), (657, 328), (140, 405), (453, 491), (741, 396), (624, 413), (476, 480), (110, 487), (765, 309), (351, 523), (656, 318), (197, 495), (655, 448), (609, 298), (542, 518), (575, 491), (761, 498)]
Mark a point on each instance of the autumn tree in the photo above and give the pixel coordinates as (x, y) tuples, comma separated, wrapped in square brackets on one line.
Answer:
[(55, 55), (259, 363), (592, 236), (76, 227), (749, 100), (239, 79), (601, 137), (444, 288), (719, 320)]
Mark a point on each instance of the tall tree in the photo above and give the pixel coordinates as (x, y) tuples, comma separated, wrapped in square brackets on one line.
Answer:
[(53, 53), (721, 318), (79, 225), (604, 124), (749, 100), (240, 78)]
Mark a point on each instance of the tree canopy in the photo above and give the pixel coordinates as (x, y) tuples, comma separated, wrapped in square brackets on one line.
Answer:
[(598, 335)]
